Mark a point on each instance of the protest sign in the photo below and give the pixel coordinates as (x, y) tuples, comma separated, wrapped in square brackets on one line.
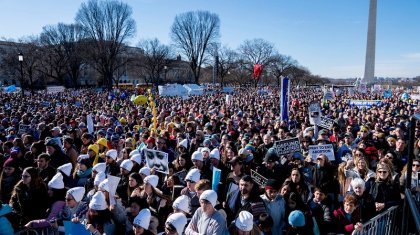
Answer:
[(325, 123), (364, 103), (327, 149), (259, 179), (216, 178), (157, 160), (23, 129), (314, 112), (288, 146), (71, 228), (55, 89), (328, 95), (113, 183), (89, 123)]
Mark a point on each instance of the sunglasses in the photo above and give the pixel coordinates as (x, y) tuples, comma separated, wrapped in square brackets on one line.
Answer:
[(416, 165), (170, 228), (69, 199), (190, 181), (382, 172)]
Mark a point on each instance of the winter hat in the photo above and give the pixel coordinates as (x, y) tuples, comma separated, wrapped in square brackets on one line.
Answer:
[(11, 162), (94, 148), (56, 182), (127, 164), (245, 221), (134, 152), (182, 203), (272, 184), (215, 154), (136, 158), (152, 180), (104, 185), (143, 218), (204, 149), (82, 156), (210, 196), (207, 142), (99, 178), (297, 219), (112, 154), (183, 143), (98, 202), (197, 156), (99, 167), (103, 142), (77, 193), (193, 175), (145, 170), (178, 220), (66, 168)]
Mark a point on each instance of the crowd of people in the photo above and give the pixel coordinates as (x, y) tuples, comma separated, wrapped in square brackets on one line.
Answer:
[(77, 158)]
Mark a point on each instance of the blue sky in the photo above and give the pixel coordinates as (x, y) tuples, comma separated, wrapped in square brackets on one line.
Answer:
[(326, 36)]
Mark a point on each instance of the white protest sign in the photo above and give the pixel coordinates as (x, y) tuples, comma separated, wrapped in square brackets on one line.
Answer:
[(415, 96), (325, 123), (113, 183), (314, 112), (259, 179), (316, 150), (89, 123), (55, 89), (157, 160)]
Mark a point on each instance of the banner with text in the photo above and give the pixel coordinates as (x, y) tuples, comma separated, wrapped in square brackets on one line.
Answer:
[(259, 179), (364, 103)]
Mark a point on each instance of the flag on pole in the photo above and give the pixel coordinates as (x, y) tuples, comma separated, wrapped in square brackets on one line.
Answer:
[(284, 99), (257, 71)]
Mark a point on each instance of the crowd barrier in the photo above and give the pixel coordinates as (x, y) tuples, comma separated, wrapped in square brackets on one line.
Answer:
[(386, 223)]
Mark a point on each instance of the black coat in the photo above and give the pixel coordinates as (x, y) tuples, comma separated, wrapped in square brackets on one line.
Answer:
[(385, 192)]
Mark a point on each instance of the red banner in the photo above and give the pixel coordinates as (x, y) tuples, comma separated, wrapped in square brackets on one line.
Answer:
[(257, 70)]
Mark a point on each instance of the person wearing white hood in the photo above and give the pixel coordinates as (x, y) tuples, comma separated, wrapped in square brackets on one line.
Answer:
[(175, 224), (192, 178), (206, 219), (74, 210), (141, 223), (99, 218)]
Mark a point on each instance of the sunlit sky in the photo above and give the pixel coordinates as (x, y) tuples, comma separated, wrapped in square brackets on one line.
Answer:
[(326, 36)]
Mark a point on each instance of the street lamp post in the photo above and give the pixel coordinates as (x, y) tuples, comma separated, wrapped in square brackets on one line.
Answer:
[(20, 58), (165, 68)]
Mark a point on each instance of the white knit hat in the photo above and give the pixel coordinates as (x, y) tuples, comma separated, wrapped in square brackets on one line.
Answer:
[(204, 149), (99, 167), (193, 175), (152, 180), (99, 178), (66, 168), (82, 156), (112, 153), (134, 152), (183, 143), (143, 218), (145, 170), (104, 185), (210, 196), (197, 156), (127, 164), (178, 220), (215, 154), (136, 158), (98, 202), (245, 221), (77, 193), (182, 203), (56, 182)]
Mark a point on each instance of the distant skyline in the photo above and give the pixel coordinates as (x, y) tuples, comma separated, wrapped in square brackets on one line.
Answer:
[(326, 36)]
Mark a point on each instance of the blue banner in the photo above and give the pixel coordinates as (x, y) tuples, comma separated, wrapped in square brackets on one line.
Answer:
[(216, 178), (9, 89), (284, 99), (387, 93), (364, 103)]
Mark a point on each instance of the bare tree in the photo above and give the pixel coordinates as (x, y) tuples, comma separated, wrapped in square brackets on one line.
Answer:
[(279, 64), (192, 33), (107, 25), (256, 51), (226, 58), (156, 57)]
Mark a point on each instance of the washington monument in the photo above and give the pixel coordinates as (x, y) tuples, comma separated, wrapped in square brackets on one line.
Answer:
[(370, 45)]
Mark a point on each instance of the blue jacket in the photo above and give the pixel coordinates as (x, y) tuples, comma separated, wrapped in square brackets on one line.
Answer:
[(5, 225)]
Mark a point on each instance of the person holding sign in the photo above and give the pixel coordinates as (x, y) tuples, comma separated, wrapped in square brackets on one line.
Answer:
[(245, 198)]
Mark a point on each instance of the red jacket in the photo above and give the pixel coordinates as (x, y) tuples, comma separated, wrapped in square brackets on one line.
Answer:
[(343, 225)]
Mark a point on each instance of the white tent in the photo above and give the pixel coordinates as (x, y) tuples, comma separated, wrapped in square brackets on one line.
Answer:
[(172, 90)]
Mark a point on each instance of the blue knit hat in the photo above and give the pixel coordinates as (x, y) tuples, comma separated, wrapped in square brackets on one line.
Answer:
[(297, 219)]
